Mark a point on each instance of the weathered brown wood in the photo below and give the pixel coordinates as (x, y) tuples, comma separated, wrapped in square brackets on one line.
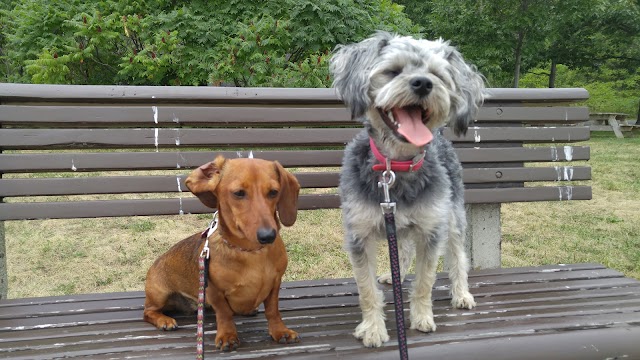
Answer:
[(85, 116), (442, 279), (24, 139), (514, 305), (175, 206), (161, 184), (187, 94), (71, 162), (583, 306)]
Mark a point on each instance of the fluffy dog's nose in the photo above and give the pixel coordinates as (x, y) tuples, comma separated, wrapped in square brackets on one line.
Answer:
[(421, 85), (266, 235)]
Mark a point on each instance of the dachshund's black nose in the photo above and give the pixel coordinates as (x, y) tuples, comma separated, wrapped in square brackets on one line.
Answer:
[(421, 85), (266, 235)]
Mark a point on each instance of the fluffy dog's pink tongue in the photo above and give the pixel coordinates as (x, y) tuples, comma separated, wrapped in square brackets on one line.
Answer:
[(411, 125)]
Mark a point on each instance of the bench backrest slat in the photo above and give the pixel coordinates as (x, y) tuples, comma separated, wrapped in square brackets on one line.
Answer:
[(85, 116), (169, 184), (126, 161), (177, 206), (34, 139)]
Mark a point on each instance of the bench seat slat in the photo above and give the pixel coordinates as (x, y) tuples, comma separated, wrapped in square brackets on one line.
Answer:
[(173, 206), (106, 138), (86, 116), (65, 161), (589, 306), (161, 184)]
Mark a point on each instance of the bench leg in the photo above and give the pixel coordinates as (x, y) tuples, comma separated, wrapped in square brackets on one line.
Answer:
[(483, 242), (3, 264)]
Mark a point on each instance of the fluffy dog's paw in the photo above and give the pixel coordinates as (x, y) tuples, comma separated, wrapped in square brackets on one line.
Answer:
[(227, 341), (285, 336), (372, 334), (423, 323), (166, 323), (463, 301), (386, 279)]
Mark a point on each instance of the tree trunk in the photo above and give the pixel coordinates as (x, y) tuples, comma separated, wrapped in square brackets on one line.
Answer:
[(552, 74), (524, 6), (518, 56)]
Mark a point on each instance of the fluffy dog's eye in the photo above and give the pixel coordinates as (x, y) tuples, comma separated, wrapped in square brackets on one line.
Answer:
[(273, 193), (240, 194), (392, 73)]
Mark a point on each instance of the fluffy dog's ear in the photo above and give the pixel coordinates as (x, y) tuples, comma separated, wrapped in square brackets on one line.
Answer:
[(202, 182), (350, 66), (467, 96), (289, 190)]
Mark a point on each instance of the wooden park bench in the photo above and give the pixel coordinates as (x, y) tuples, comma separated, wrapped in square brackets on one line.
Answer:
[(580, 311)]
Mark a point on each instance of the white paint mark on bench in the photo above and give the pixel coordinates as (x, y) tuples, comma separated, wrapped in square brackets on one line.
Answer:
[(155, 140), (476, 136), (568, 173), (73, 166), (176, 119), (568, 152), (181, 159), (554, 153), (179, 194), (565, 193), (177, 137), (250, 154), (239, 153), (155, 114), (564, 173)]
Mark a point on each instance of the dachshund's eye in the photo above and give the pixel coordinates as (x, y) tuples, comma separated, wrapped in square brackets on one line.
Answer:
[(240, 194), (392, 73), (272, 194)]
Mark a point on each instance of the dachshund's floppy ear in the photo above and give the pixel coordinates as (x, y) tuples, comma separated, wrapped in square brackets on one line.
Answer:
[(289, 190), (202, 182)]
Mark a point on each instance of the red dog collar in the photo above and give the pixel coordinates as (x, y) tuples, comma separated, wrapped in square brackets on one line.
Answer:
[(396, 165)]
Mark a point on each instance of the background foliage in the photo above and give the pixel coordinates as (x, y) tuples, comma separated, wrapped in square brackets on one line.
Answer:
[(523, 43)]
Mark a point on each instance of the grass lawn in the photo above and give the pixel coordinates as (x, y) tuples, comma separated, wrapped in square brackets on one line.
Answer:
[(54, 257)]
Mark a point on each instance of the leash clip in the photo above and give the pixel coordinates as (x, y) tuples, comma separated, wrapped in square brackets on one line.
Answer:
[(213, 226), (387, 179), (205, 250)]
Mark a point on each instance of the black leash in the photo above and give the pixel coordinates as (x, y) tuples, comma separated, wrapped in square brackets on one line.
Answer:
[(388, 209)]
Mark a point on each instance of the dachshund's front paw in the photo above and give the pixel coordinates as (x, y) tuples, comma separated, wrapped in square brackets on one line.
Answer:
[(166, 323), (285, 336), (227, 341)]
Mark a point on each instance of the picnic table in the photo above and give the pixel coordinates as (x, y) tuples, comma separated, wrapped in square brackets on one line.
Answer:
[(618, 122)]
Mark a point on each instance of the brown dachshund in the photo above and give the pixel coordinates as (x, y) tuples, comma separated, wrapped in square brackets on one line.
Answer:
[(248, 257)]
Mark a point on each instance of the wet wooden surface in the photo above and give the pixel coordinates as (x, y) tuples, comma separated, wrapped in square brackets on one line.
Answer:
[(581, 311)]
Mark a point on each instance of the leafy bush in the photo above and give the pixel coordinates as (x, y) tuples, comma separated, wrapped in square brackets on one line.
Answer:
[(196, 42)]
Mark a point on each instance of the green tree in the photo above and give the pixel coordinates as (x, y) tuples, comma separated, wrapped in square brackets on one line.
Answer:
[(196, 42), (501, 37), (507, 38)]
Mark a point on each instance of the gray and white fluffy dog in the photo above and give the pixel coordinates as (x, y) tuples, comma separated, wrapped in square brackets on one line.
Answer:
[(404, 90)]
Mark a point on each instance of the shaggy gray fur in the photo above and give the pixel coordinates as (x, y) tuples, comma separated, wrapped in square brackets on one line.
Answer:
[(376, 74)]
